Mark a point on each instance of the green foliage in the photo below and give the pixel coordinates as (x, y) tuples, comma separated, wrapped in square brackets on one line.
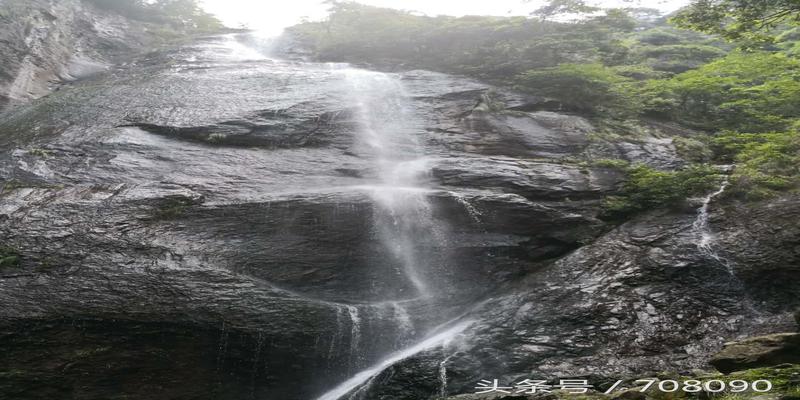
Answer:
[(588, 87), (692, 149), (600, 65), (766, 163), (492, 48), (647, 188), (560, 8), (659, 37), (754, 92), (639, 72), (614, 163), (749, 22), (679, 58)]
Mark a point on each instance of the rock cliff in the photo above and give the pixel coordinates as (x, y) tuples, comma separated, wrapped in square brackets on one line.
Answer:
[(200, 222)]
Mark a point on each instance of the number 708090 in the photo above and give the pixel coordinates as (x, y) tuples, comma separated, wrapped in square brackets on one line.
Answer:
[(711, 386)]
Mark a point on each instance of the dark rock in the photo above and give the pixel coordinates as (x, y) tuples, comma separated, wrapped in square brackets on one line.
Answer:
[(190, 190)]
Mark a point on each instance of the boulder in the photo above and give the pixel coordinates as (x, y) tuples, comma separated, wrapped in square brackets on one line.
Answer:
[(760, 351)]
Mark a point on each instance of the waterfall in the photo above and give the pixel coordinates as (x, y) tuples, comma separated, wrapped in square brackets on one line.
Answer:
[(701, 228), (387, 136), (361, 378)]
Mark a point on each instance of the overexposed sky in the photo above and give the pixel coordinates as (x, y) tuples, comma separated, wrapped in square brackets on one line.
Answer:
[(271, 16)]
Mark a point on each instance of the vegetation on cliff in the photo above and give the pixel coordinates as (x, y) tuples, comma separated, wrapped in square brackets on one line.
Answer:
[(728, 69)]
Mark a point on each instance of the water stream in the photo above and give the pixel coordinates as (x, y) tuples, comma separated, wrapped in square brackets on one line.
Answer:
[(705, 237)]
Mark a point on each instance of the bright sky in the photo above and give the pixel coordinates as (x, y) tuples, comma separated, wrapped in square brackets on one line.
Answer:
[(271, 16)]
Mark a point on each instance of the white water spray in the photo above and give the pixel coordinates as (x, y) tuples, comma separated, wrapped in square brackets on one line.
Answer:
[(387, 135), (366, 375)]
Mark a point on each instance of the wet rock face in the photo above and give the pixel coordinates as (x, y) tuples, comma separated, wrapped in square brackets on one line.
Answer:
[(205, 220), (200, 188), (762, 241), (637, 301), (46, 43)]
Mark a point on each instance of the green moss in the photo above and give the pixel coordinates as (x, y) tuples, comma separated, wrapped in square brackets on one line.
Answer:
[(172, 207), (42, 153), (14, 184), (611, 163), (9, 257), (216, 138), (782, 376)]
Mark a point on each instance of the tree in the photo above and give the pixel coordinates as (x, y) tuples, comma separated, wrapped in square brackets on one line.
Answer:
[(561, 8), (746, 21), (588, 87), (746, 91)]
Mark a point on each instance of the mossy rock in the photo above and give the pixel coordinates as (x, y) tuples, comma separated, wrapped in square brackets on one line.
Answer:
[(9, 257), (761, 351)]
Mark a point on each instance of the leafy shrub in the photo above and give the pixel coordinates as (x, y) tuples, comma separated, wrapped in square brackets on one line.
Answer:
[(588, 87), (611, 163), (659, 37), (647, 188), (692, 149), (750, 92), (678, 58), (765, 162)]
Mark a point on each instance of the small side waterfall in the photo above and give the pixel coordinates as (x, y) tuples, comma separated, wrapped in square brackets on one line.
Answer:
[(701, 228), (443, 375)]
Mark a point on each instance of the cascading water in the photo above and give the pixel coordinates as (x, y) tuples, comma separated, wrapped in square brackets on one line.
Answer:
[(387, 135), (701, 228)]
